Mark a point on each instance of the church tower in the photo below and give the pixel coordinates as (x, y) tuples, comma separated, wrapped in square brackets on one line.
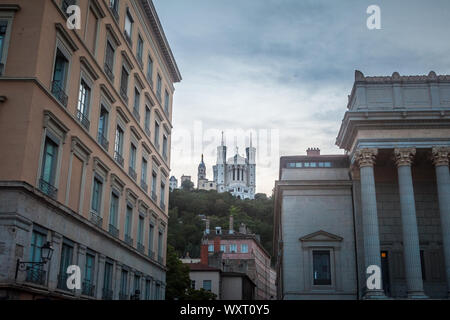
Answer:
[(251, 161), (201, 174), (219, 168)]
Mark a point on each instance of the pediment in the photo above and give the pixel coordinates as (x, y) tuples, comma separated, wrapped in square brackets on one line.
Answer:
[(321, 236)]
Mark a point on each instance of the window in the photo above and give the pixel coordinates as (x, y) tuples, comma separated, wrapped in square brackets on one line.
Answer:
[(60, 71), (96, 195), (151, 235), (139, 49), (147, 290), (166, 102), (210, 248), (137, 99), (157, 291), (147, 120), (137, 284), (150, 70), (133, 157), (223, 248), (233, 248), (92, 29), (140, 234), (244, 248), (109, 60), (128, 221), (114, 5), (165, 147), (207, 285), (128, 26), (66, 260), (103, 127), (3, 28), (113, 209), (124, 84), (49, 163), (422, 264), (118, 145), (35, 273), (88, 285), (123, 285), (156, 140), (158, 87), (107, 281), (193, 284), (321, 267), (66, 4), (154, 177), (84, 97), (162, 196), (160, 246), (144, 172)]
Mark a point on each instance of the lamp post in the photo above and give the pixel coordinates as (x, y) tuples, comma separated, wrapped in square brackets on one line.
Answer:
[(46, 255)]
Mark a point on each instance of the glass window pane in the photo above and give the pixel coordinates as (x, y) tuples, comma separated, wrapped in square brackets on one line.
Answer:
[(321, 267)]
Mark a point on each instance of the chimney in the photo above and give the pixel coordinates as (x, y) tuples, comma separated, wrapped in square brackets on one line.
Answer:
[(217, 244), (231, 231), (207, 226), (313, 152), (243, 228), (204, 254)]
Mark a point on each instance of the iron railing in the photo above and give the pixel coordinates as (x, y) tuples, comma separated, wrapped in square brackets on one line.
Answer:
[(114, 11), (83, 119), (129, 240), (96, 219), (147, 131), (132, 173), (153, 196), (123, 93), (36, 274), (103, 141), (160, 259), (113, 230), (136, 114), (66, 4), (150, 80), (151, 253), (62, 282), (128, 38), (140, 247), (118, 157), (47, 188), (59, 93), (88, 288), (162, 205), (107, 294), (144, 185), (108, 71)]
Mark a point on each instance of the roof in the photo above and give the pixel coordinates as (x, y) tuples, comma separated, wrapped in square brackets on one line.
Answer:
[(201, 267), (161, 39)]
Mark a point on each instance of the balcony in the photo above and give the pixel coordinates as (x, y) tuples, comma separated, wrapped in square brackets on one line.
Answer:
[(136, 114), (36, 274), (140, 247), (47, 188), (123, 296), (59, 93), (88, 288), (83, 119), (144, 185), (128, 240), (123, 94), (107, 294), (162, 206), (118, 157), (113, 231), (62, 282), (150, 80), (132, 173), (96, 219), (153, 196), (160, 259), (147, 130), (108, 71), (151, 254), (103, 141), (114, 12), (164, 155), (66, 4)]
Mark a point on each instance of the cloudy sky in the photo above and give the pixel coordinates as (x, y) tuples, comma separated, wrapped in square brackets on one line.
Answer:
[(283, 69)]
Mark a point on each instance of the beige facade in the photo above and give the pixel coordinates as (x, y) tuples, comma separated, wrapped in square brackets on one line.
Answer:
[(86, 123)]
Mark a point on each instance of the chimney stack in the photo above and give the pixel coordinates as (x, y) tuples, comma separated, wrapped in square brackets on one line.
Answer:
[(204, 254), (313, 152), (231, 230), (217, 244)]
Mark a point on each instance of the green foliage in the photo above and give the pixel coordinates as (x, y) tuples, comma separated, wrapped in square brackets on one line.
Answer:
[(177, 276), (186, 227), (187, 185)]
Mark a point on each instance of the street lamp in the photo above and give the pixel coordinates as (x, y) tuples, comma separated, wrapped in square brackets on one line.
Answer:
[(46, 255)]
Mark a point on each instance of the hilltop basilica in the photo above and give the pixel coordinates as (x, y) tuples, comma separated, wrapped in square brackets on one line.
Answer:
[(235, 174)]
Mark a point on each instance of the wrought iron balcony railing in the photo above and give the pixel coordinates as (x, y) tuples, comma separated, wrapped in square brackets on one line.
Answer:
[(114, 11), (144, 185), (150, 80), (59, 93), (162, 205), (132, 173), (62, 282), (153, 196), (118, 157), (107, 294), (147, 130), (96, 219), (136, 114), (66, 4), (88, 288), (113, 230), (47, 188), (108, 71), (83, 119), (124, 95), (151, 253), (36, 274), (160, 259), (103, 141), (140, 247), (128, 240)]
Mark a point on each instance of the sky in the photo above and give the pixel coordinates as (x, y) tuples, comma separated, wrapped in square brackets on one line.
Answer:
[(283, 70)]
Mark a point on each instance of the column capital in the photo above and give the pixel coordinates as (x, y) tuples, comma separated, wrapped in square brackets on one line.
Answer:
[(366, 157), (404, 156), (440, 156)]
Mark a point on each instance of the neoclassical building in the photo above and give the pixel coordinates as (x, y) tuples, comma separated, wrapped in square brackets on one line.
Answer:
[(386, 202)]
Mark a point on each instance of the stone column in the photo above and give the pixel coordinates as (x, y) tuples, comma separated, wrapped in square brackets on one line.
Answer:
[(411, 247), (365, 158), (100, 276), (441, 162), (53, 268), (116, 280), (81, 262)]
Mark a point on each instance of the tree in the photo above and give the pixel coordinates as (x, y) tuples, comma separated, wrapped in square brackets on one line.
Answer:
[(187, 185), (177, 276), (201, 294)]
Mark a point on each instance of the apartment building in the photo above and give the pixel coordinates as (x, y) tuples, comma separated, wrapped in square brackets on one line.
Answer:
[(85, 132)]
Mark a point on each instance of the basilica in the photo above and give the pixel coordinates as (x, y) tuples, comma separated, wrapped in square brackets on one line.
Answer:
[(235, 174)]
